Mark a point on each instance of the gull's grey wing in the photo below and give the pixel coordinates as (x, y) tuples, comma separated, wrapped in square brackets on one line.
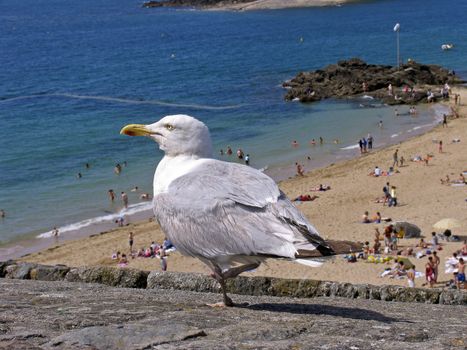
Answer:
[(222, 209)]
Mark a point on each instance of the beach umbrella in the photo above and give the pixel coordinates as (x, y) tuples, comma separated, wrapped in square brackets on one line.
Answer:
[(410, 230), (407, 263), (447, 224)]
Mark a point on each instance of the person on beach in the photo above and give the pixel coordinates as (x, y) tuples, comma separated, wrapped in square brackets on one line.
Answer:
[(461, 179), (436, 262), (247, 159), (300, 171), (365, 218), (229, 151), (118, 169), (401, 162), (434, 241), (377, 243), (313, 142), (79, 176), (440, 146), (430, 272), (395, 158), (221, 152), (387, 194), (370, 141), (120, 221), (55, 233), (460, 281), (240, 154), (135, 189), (365, 143), (422, 244), (130, 241), (388, 231), (445, 121), (380, 124), (411, 277), (426, 160), (2, 213), (360, 144), (394, 240), (295, 144), (377, 218), (111, 194), (393, 200), (377, 171), (124, 197), (123, 261), (87, 165), (163, 258), (321, 140)]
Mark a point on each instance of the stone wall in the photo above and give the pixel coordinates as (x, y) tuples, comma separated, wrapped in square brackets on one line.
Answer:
[(256, 286)]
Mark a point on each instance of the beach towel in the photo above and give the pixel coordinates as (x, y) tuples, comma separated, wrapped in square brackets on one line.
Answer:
[(451, 265)]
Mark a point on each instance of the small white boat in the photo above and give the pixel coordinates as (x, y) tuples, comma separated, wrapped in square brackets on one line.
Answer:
[(447, 46)]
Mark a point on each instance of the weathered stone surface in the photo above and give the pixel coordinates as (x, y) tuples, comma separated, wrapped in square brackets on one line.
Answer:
[(131, 278), (63, 315), (20, 270), (49, 273), (346, 78), (111, 276), (182, 281), (3, 266), (126, 336), (453, 297)]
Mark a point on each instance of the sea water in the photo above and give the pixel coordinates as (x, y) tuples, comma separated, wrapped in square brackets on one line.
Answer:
[(73, 73)]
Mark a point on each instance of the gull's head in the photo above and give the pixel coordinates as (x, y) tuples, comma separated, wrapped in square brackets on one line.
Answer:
[(176, 135)]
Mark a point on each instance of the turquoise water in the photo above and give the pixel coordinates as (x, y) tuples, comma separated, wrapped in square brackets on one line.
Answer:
[(74, 72)]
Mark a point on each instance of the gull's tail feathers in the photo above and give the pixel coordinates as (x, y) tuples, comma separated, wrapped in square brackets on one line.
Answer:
[(309, 262), (327, 249)]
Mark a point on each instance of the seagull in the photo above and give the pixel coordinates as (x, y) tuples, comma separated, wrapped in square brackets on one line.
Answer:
[(230, 216)]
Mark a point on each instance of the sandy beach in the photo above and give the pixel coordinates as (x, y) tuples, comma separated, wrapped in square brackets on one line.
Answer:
[(281, 4), (336, 213)]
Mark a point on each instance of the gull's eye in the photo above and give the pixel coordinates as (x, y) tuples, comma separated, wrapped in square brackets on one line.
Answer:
[(169, 127)]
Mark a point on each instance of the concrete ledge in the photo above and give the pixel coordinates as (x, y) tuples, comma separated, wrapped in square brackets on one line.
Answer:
[(257, 286)]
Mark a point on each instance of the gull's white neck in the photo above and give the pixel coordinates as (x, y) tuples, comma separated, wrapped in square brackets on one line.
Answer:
[(171, 168)]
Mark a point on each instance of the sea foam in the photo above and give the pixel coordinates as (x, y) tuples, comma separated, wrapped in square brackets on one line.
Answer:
[(131, 210)]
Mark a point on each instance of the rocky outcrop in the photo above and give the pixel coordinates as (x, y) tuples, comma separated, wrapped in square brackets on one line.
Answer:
[(194, 3), (254, 286), (72, 316), (111, 276), (354, 77), (305, 288)]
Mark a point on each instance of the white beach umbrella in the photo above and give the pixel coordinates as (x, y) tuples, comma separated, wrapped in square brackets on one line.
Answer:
[(447, 224)]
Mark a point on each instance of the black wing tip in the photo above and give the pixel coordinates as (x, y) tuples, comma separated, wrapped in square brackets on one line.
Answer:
[(325, 250)]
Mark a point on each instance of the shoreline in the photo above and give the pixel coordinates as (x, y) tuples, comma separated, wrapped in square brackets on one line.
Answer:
[(280, 172), (253, 5), (423, 201)]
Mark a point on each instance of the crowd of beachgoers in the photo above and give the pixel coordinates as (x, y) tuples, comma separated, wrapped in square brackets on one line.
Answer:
[(419, 181)]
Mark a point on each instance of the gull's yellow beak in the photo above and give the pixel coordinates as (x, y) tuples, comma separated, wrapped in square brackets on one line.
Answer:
[(135, 130)]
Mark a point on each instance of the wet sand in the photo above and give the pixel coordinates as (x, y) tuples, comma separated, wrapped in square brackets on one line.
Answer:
[(336, 213)]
